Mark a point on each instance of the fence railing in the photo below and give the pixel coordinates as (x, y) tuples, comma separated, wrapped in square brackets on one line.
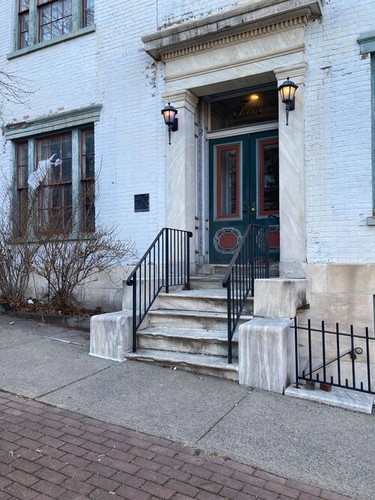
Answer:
[(166, 263), (250, 262), (333, 357)]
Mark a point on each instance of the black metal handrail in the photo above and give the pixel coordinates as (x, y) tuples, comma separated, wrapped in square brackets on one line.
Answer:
[(250, 262), (353, 355), (165, 263)]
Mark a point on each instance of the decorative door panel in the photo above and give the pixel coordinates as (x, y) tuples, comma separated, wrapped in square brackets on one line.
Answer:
[(244, 189)]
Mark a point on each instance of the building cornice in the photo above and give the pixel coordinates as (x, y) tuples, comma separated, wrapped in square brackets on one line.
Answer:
[(252, 19)]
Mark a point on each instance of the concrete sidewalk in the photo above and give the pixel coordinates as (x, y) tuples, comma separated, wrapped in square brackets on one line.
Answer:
[(299, 440)]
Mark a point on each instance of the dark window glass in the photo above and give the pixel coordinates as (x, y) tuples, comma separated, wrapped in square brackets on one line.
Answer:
[(22, 186), (88, 179), (54, 170)]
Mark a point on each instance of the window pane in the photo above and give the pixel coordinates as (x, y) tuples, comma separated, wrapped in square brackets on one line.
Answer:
[(57, 11), (68, 8), (46, 15), (24, 40), (67, 171), (227, 181), (22, 154), (89, 167), (66, 151), (45, 33), (67, 25), (24, 22), (57, 28), (269, 177), (57, 197), (23, 5)]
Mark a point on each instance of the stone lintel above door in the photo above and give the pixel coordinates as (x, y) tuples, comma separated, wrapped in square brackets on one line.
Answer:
[(251, 19)]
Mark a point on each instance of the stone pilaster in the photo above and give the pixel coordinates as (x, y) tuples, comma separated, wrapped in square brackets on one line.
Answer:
[(181, 163), (292, 179)]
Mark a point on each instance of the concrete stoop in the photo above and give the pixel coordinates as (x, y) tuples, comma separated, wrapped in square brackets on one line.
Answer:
[(342, 398), (188, 330)]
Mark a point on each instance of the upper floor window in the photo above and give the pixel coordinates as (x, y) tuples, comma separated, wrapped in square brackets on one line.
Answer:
[(44, 20), (55, 18)]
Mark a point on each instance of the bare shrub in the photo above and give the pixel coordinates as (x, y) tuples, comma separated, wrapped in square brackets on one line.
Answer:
[(17, 254), (66, 264)]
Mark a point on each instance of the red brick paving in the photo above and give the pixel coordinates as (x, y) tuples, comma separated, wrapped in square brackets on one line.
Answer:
[(47, 452)]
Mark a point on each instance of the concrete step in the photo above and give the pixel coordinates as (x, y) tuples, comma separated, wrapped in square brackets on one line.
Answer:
[(197, 363), (208, 342), (202, 320), (210, 281), (218, 269), (212, 300)]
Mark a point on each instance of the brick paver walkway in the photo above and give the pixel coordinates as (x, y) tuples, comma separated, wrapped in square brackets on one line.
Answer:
[(47, 452)]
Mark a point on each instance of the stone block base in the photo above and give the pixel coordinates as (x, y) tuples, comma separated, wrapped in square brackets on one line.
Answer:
[(278, 297), (111, 335), (264, 351)]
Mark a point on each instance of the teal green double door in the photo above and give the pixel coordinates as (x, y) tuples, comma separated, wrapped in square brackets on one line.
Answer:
[(243, 190)]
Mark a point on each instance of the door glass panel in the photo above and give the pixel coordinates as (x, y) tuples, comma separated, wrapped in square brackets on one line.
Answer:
[(268, 177), (228, 171)]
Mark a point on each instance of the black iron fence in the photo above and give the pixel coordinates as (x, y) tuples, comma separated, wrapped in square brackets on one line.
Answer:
[(250, 262), (334, 358), (166, 263)]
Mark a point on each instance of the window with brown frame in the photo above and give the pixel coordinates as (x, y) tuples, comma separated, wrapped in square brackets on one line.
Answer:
[(44, 20), (55, 18), (62, 204)]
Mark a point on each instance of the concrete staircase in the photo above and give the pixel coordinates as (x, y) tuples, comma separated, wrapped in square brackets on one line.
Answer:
[(188, 329)]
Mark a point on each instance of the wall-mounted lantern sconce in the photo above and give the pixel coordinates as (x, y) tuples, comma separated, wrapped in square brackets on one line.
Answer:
[(169, 114), (287, 94)]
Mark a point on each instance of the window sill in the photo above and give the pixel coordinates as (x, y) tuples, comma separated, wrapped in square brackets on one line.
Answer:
[(43, 45), (371, 221)]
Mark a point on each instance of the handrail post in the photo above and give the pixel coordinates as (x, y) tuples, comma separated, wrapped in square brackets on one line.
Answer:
[(267, 266), (229, 320), (167, 260), (134, 315), (252, 263), (296, 349), (187, 237)]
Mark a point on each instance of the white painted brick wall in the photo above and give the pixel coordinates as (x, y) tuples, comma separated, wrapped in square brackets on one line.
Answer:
[(338, 135)]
